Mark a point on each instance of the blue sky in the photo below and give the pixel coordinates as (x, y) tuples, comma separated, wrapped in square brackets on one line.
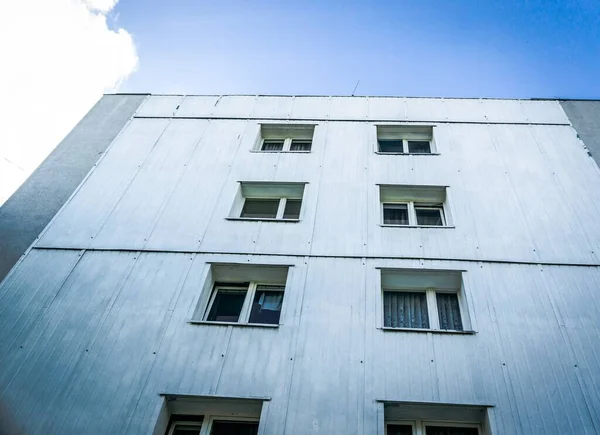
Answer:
[(462, 48)]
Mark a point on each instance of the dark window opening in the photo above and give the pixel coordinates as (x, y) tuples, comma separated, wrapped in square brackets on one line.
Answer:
[(390, 146), (234, 428), (266, 307), (272, 145), (447, 430), (185, 425), (260, 208), (399, 429), (395, 214), (300, 145), (227, 305), (429, 216), (292, 209), (419, 147)]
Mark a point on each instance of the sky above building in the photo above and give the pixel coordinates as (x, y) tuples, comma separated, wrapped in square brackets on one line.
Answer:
[(63, 54), (463, 48)]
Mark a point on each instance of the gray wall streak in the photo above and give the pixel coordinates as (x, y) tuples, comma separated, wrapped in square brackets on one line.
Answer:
[(585, 117), (34, 204)]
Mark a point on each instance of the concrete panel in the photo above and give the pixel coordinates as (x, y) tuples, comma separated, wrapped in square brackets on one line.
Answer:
[(160, 106), (83, 217), (114, 333), (434, 110)]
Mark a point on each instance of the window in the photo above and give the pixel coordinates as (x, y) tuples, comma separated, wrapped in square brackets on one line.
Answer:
[(252, 303), (421, 427), (404, 139), (285, 138), (243, 293), (209, 415), (422, 299), (413, 205), (409, 418), (185, 427), (213, 425), (268, 201)]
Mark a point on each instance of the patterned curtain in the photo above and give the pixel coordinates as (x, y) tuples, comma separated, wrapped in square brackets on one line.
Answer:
[(405, 309), (449, 311), (272, 145), (300, 145)]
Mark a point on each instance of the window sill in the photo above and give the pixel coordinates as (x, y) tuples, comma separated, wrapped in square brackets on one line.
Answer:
[(417, 226), (280, 152), (262, 219), (406, 154), (435, 331), (251, 325)]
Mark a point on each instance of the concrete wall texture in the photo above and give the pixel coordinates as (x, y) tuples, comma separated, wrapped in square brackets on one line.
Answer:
[(102, 318)]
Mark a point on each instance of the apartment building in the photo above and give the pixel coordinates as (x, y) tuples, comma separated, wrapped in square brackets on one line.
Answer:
[(240, 265)]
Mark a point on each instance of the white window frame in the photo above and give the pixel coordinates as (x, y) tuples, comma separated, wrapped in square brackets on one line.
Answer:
[(432, 308), (420, 426), (208, 421), (405, 149), (412, 214), (287, 145), (247, 305), (280, 209)]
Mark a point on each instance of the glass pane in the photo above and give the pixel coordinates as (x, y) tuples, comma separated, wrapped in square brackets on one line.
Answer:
[(292, 209), (272, 145), (429, 216), (405, 309), (266, 307), (300, 145), (186, 430), (395, 214), (449, 311), (390, 146), (419, 147), (260, 208), (227, 305), (234, 428), (447, 430), (399, 429)]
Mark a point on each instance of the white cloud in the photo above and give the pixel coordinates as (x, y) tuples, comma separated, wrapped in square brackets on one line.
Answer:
[(101, 5), (58, 58)]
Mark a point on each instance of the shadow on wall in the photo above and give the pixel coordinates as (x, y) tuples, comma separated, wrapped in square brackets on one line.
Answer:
[(8, 425)]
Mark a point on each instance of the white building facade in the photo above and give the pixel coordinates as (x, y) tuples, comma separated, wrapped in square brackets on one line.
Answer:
[(309, 265)]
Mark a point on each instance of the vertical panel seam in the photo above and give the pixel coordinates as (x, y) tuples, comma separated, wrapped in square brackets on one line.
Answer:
[(294, 347), (168, 196), (136, 173), (168, 317), (317, 188), (39, 319), (220, 197), (100, 327), (571, 352), (90, 172)]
